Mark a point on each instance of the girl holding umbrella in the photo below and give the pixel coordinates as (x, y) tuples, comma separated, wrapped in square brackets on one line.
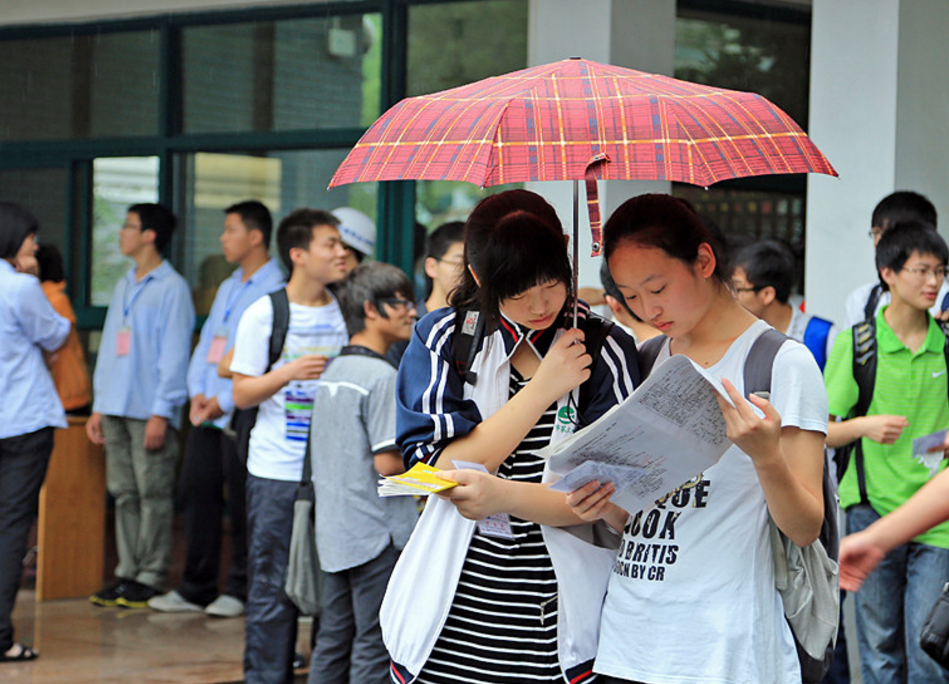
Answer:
[(491, 588)]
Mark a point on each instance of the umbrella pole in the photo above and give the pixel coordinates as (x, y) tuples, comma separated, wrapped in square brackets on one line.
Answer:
[(576, 247)]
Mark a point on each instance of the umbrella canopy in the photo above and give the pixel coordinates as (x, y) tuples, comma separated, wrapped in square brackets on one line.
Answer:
[(550, 122)]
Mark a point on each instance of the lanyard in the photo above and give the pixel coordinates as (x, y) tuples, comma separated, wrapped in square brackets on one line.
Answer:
[(233, 296), (126, 305)]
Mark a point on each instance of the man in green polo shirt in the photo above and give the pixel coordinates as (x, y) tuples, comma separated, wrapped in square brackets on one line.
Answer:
[(909, 400)]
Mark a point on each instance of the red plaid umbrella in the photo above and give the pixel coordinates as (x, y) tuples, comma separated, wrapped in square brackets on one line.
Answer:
[(577, 119)]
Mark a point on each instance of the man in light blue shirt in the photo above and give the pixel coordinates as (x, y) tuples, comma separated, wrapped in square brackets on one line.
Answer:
[(139, 389), (30, 409), (211, 456)]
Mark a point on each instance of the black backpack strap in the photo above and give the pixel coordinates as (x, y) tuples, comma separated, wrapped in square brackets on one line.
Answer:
[(469, 329), (870, 309), (280, 326), (595, 332), (648, 351), (864, 372)]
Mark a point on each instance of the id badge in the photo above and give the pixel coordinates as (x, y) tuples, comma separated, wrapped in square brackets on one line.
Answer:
[(123, 341), (497, 525), (216, 348)]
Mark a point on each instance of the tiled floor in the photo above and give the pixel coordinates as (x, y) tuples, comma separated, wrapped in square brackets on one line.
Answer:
[(83, 644)]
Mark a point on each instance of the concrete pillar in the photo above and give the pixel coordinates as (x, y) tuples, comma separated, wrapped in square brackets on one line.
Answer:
[(639, 34), (879, 110)]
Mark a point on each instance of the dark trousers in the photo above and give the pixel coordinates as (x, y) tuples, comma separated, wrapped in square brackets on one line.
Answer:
[(270, 631), (211, 461), (23, 462)]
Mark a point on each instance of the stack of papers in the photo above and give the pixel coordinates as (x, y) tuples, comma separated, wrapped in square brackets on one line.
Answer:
[(668, 431), (419, 480)]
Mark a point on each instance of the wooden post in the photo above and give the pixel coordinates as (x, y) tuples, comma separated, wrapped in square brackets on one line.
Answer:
[(71, 526)]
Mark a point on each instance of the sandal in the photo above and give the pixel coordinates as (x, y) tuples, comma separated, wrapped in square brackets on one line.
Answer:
[(24, 654)]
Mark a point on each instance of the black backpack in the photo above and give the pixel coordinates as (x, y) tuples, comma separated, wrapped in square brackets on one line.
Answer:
[(243, 420), (469, 333), (757, 379)]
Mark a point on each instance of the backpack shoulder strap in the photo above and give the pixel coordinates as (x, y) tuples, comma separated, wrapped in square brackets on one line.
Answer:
[(864, 363), (281, 324), (648, 351), (815, 339), (870, 309), (469, 329), (760, 361)]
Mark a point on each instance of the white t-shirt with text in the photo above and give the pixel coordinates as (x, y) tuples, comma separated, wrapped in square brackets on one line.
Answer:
[(692, 596)]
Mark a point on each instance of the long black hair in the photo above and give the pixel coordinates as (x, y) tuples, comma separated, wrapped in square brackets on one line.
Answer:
[(513, 241)]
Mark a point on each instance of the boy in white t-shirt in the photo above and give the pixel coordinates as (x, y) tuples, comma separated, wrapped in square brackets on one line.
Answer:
[(309, 244)]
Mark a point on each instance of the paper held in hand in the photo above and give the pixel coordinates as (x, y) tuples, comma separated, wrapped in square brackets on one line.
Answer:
[(419, 480), (668, 431)]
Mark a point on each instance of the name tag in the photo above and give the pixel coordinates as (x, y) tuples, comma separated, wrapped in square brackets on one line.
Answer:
[(123, 341), (216, 348)]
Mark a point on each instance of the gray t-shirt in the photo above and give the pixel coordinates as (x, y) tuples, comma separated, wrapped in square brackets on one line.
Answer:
[(354, 419)]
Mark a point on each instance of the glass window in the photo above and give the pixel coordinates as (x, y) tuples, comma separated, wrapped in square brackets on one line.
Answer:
[(118, 182), (452, 44), (79, 86), (283, 181), (284, 75), (42, 192)]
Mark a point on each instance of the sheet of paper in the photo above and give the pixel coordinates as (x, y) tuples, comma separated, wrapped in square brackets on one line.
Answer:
[(667, 432), (930, 459)]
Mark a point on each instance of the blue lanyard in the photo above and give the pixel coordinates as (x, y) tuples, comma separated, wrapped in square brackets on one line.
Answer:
[(127, 306), (232, 297)]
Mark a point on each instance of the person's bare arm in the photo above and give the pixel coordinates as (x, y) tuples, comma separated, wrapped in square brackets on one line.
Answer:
[(252, 390)]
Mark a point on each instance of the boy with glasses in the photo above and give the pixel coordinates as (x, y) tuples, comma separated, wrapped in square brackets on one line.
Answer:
[(904, 205), (352, 444), (888, 381)]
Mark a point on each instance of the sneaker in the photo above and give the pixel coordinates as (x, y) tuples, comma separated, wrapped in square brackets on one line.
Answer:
[(108, 597), (225, 606), (173, 602), (136, 595)]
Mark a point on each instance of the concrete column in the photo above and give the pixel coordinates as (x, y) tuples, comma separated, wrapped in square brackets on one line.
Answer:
[(639, 34), (879, 101)]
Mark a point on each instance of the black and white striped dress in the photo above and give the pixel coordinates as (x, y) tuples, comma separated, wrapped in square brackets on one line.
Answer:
[(502, 626)]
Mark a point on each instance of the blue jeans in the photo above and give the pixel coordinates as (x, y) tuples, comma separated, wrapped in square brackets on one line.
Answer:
[(270, 631), (891, 606)]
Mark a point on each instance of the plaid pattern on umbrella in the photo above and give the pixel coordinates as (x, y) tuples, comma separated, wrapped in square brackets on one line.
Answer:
[(549, 122)]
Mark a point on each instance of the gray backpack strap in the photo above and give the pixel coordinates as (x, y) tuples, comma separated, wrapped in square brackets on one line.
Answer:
[(760, 361)]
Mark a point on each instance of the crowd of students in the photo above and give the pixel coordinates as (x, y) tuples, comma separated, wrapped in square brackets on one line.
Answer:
[(501, 579)]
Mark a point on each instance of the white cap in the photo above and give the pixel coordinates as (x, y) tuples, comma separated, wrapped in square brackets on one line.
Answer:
[(357, 229)]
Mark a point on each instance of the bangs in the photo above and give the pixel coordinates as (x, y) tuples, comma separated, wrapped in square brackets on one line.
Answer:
[(525, 251)]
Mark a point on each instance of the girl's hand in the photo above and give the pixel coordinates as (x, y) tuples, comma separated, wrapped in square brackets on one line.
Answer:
[(859, 555), (757, 437), (565, 366), (477, 495), (592, 501)]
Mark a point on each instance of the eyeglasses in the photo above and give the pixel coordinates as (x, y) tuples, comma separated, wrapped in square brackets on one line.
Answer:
[(752, 288), (457, 263), (395, 303), (923, 272), (876, 232)]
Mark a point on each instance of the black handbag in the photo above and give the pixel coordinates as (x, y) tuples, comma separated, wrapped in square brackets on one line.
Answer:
[(934, 637)]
